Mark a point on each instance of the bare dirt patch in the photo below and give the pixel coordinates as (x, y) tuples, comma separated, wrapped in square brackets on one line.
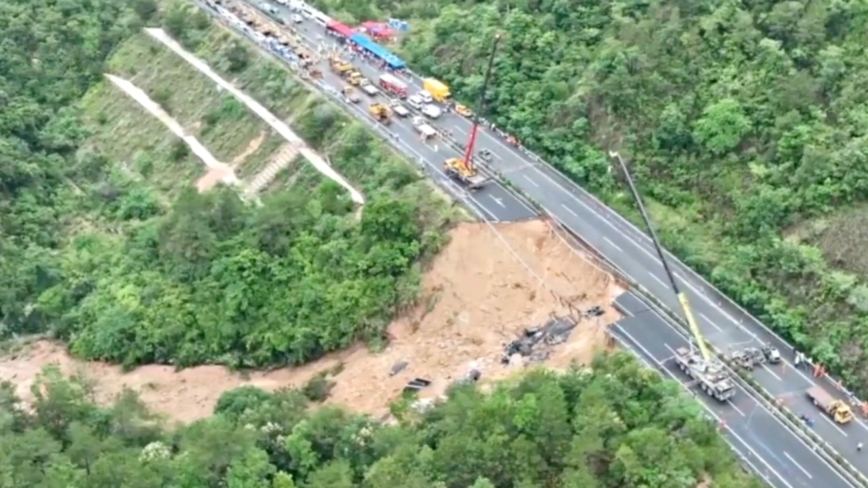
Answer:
[(251, 148), (478, 297)]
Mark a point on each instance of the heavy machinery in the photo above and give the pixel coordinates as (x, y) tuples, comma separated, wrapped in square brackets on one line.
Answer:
[(356, 79), (381, 112), (466, 174), (707, 370), (839, 410), (463, 169), (711, 375), (339, 66)]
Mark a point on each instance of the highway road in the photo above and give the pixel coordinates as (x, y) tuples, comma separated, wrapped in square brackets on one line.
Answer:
[(494, 201), (768, 445), (724, 323)]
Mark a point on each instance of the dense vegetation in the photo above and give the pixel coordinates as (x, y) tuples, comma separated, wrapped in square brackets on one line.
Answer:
[(94, 252), (745, 122), (618, 427)]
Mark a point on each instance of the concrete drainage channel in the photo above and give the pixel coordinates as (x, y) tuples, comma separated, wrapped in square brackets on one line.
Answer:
[(278, 125)]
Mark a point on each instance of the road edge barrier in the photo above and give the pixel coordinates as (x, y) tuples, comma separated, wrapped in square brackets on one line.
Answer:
[(787, 417), (861, 405), (743, 378)]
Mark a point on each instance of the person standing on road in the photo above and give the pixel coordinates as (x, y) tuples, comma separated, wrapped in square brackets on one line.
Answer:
[(859, 447)]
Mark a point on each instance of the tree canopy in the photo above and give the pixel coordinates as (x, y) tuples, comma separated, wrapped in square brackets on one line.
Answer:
[(743, 122), (618, 425), (94, 254)]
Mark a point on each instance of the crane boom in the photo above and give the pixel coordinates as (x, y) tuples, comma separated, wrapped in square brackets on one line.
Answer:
[(682, 298), (694, 325), (468, 153)]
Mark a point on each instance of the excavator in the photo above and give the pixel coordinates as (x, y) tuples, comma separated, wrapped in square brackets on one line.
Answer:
[(839, 410), (339, 66), (356, 79), (467, 174), (381, 112)]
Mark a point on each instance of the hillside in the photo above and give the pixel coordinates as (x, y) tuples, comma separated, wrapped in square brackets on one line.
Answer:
[(744, 123), (617, 425), (133, 234), (119, 247)]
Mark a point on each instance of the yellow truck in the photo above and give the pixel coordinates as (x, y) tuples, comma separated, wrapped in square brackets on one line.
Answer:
[(837, 409), (438, 90)]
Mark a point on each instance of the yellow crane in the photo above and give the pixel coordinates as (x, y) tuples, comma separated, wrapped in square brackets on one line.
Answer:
[(682, 298)]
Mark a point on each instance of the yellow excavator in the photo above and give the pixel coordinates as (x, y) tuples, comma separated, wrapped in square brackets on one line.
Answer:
[(340, 66), (381, 112), (356, 79), (839, 410), (465, 173)]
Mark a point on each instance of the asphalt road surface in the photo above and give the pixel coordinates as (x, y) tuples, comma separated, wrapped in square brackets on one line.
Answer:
[(723, 323), (493, 201), (768, 445)]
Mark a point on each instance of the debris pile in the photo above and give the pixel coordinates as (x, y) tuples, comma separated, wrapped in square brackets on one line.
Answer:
[(751, 357), (535, 342)]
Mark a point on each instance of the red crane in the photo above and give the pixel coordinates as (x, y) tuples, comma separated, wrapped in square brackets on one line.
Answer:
[(468, 154)]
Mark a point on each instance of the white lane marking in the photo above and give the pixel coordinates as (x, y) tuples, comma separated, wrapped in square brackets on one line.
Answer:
[(798, 465), (833, 424), (497, 200), (736, 408), (708, 409), (570, 210), (769, 370), (528, 178), (658, 279), (459, 129), (631, 239), (709, 321), (612, 244), (730, 402)]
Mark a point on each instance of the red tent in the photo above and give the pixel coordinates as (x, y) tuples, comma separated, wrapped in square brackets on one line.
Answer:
[(379, 30)]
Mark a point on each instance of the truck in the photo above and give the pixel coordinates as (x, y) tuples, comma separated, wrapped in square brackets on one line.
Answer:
[(464, 173), (837, 409), (381, 112), (710, 374), (340, 66), (393, 85), (438, 90), (424, 130)]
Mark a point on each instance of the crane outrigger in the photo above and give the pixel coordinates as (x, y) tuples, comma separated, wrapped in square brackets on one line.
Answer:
[(464, 170), (710, 373)]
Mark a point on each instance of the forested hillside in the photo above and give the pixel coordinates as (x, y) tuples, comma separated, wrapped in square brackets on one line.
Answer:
[(108, 245), (745, 121), (620, 426)]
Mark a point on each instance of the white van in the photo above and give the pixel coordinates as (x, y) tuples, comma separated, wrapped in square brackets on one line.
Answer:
[(431, 111)]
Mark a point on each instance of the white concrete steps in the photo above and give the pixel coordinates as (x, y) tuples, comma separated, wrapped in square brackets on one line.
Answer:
[(280, 161)]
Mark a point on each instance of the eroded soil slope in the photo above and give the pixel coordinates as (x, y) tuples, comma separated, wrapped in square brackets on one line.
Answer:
[(478, 297)]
